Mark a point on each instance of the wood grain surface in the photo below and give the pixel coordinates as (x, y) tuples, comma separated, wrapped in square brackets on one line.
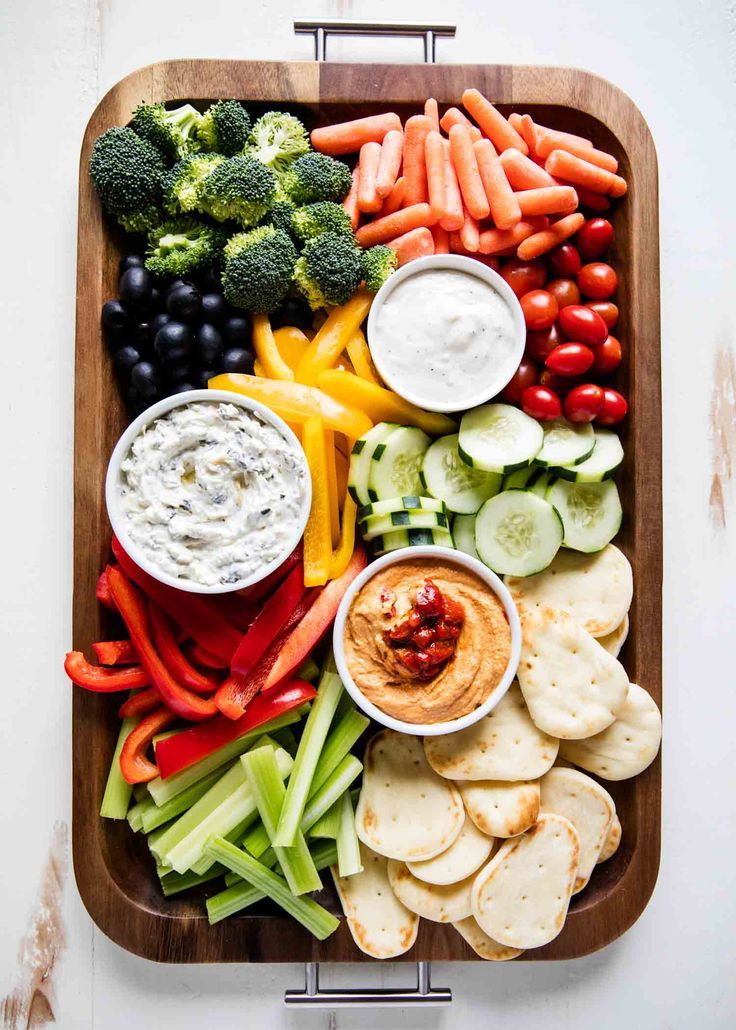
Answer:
[(114, 873)]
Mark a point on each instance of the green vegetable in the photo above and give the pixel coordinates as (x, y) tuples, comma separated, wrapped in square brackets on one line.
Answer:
[(239, 189), (329, 270), (153, 816), (135, 815), (174, 883), (316, 177), (378, 263), (324, 216), (259, 267), (117, 794), (348, 849), (280, 216), (224, 127), (277, 139), (331, 790), (183, 184), (182, 246), (328, 824), (173, 133), (128, 174)]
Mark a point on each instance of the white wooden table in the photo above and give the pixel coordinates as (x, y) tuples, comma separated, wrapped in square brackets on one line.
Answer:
[(677, 59)]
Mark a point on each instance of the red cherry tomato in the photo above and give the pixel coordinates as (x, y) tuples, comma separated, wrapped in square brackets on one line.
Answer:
[(565, 291), (583, 403), (564, 260), (527, 374), (597, 280), (540, 403), (594, 238), (614, 408), (607, 357), (541, 342), (539, 309), (570, 359), (583, 325), (523, 276), (606, 309), (558, 384)]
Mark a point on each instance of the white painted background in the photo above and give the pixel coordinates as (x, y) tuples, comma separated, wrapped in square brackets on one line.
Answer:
[(677, 59)]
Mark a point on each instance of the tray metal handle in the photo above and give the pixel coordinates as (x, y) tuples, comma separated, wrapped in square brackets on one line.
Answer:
[(321, 28), (315, 997)]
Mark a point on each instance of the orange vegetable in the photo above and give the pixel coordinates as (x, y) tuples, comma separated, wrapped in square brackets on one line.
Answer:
[(441, 239), (415, 169), (583, 173), (454, 116), (395, 198), (390, 226), (547, 200), (501, 134), (332, 486), (434, 156), (495, 241), (341, 557), (432, 111), (392, 150), (581, 141), (317, 534), (522, 173), (413, 244), (469, 234), (267, 352), (504, 206), (454, 217), (533, 246), (350, 203), (466, 168), (528, 132), (368, 199), (332, 337), (291, 343), (560, 141), (349, 137)]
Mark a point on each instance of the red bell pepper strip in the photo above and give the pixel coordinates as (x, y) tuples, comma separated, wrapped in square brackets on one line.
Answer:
[(132, 607), (103, 591), (189, 746), (236, 608), (315, 623), (140, 704), (172, 656), (134, 765), (115, 652), (93, 677), (267, 585), (200, 620), (270, 621), (199, 656)]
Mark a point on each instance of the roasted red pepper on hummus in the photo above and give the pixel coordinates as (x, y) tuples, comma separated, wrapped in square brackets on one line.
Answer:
[(425, 639)]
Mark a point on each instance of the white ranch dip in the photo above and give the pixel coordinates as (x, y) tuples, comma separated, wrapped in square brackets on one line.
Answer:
[(211, 493), (441, 335)]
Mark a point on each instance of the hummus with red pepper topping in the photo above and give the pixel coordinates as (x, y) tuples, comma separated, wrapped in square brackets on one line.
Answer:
[(426, 641)]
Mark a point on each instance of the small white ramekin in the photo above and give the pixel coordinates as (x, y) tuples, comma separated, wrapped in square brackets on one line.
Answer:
[(113, 478), (465, 561), (497, 378)]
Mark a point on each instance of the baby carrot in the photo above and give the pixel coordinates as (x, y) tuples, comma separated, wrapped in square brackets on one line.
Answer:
[(390, 163), (505, 210), (456, 247), (395, 198), (494, 241), (453, 218), (415, 170), (349, 137), (523, 173), (434, 157), (533, 246), (558, 141), (529, 134), (432, 111), (492, 122), (368, 200), (466, 169), (547, 200), (469, 234), (390, 226), (583, 173), (441, 239), (454, 116), (414, 244), (350, 203), (571, 137)]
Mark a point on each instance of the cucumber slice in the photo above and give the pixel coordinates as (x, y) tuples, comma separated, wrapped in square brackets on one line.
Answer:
[(602, 463), (393, 504), (394, 465), (519, 479), (565, 443), (517, 533), (541, 484), (377, 525), (499, 438), (590, 512), (360, 458), (411, 538), (463, 533), (445, 475)]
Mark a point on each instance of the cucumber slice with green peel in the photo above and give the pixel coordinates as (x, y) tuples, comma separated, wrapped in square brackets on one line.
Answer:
[(378, 525), (360, 458), (541, 484), (392, 504), (517, 533), (393, 470), (499, 438), (591, 513), (411, 538), (463, 533), (606, 457), (519, 479), (565, 443), (446, 475)]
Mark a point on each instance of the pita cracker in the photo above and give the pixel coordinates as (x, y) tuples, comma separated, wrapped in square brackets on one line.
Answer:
[(615, 640), (482, 944), (465, 855), (588, 806), (440, 904), (501, 808), (612, 841)]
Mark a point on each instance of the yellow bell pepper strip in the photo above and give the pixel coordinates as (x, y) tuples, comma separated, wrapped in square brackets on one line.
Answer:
[(382, 405), (296, 403), (332, 486), (360, 355), (317, 535), (259, 370), (344, 552), (291, 343), (331, 340), (267, 352), (342, 467)]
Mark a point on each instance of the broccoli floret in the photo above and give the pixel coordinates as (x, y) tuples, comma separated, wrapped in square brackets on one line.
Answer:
[(378, 263), (183, 184), (240, 189), (324, 216), (224, 127), (280, 216), (277, 139), (128, 175), (329, 270), (183, 246), (317, 177), (259, 266), (172, 133)]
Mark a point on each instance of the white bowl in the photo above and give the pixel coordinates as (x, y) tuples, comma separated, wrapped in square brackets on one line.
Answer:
[(466, 562), (497, 378), (112, 483)]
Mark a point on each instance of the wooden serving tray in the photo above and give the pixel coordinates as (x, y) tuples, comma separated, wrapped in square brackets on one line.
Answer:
[(114, 872)]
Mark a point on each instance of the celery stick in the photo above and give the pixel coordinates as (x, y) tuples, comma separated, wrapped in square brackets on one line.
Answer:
[(328, 825), (348, 849), (339, 742), (135, 814), (269, 793), (286, 739), (308, 670), (140, 792), (257, 840), (347, 771), (175, 883), (153, 816), (316, 919), (228, 902), (116, 798), (203, 864), (307, 757), (268, 858)]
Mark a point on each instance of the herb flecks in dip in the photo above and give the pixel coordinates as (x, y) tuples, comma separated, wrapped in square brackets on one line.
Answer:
[(211, 493), (425, 639), (481, 650)]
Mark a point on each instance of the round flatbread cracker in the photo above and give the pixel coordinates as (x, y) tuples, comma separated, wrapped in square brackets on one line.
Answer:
[(501, 808), (440, 904), (482, 944), (615, 640), (588, 806), (612, 841), (465, 855)]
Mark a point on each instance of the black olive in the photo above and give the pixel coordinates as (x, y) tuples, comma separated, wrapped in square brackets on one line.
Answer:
[(236, 331), (142, 336), (203, 377), (208, 346), (156, 298), (214, 308), (293, 311), (211, 279), (130, 261), (144, 378), (114, 315), (181, 388), (184, 301), (124, 359), (136, 285), (135, 402), (159, 321), (176, 371), (237, 359), (173, 341)]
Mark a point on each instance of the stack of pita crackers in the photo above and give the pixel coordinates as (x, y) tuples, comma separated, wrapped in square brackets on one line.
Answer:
[(493, 828)]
